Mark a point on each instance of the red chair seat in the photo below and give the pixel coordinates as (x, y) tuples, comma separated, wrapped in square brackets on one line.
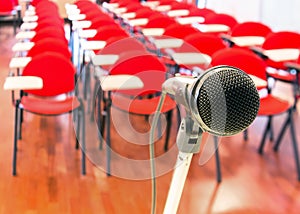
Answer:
[(139, 106), (47, 106), (271, 105), (8, 13)]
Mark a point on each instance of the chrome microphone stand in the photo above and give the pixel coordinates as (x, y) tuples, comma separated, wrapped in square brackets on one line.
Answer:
[(188, 141)]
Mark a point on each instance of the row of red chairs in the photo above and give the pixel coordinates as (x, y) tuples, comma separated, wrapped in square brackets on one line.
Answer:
[(50, 62), (132, 59)]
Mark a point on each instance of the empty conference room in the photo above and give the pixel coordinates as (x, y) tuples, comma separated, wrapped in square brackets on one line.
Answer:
[(149, 106)]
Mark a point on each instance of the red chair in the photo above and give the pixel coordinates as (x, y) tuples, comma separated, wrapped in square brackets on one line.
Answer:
[(275, 43), (224, 22), (221, 18), (42, 6), (142, 101), (8, 11), (80, 3), (57, 73), (206, 44), (132, 7), (36, 2), (250, 28), (50, 32), (103, 34), (270, 106), (175, 30), (204, 12), (159, 21), (123, 3), (106, 32), (116, 46), (92, 13), (176, 5), (144, 12), (179, 31), (101, 22), (50, 45), (280, 40), (295, 68)]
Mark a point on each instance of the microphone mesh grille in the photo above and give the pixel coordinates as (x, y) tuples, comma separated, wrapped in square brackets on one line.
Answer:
[(228, 101)]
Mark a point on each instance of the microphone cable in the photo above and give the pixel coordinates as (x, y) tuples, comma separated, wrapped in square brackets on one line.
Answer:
[(152, 152)]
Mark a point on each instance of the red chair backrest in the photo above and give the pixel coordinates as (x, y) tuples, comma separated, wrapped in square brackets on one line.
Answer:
[(134, 6), (122, 44), (242, 59), (181, 5), (57, 72), (250, 29), (144, 12), (204, 12), (282, 39), (159, 21), (106, 32), (50, 32), (50, 45), (101, 21), (179, 31), (144, 65), (46, 6), (221, 18), (205, 43)]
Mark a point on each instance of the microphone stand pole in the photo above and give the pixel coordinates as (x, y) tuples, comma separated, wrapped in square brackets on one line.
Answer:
[(188, 141)]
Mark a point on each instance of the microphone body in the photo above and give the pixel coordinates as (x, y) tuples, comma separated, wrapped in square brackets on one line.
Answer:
[(222, 101)]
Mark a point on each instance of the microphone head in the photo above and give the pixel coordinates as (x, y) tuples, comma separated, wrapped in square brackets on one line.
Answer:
[(224, 100)]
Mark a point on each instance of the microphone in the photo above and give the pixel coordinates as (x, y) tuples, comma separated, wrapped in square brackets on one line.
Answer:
[(223, 101)]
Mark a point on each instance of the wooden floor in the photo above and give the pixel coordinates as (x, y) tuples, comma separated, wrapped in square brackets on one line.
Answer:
[(49, 179)]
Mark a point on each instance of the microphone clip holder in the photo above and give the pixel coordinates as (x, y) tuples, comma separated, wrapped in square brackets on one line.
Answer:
[(189, 136)]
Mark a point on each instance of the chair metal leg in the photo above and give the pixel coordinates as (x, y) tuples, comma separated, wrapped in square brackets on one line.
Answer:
[(82, 64), (101, 117), (20, 116), (271, 132), (15, 23), (86, 80), (263, 141), (289, 121), (83, 146), (295, 145), (79, 118), (159, 127), (218, 165), (108, 149), (283, 129), (168, 129), (296, 91), (15, 146), (93, 99)]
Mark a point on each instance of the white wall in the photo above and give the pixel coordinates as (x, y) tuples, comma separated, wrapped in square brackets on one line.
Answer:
[(278, 14)]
